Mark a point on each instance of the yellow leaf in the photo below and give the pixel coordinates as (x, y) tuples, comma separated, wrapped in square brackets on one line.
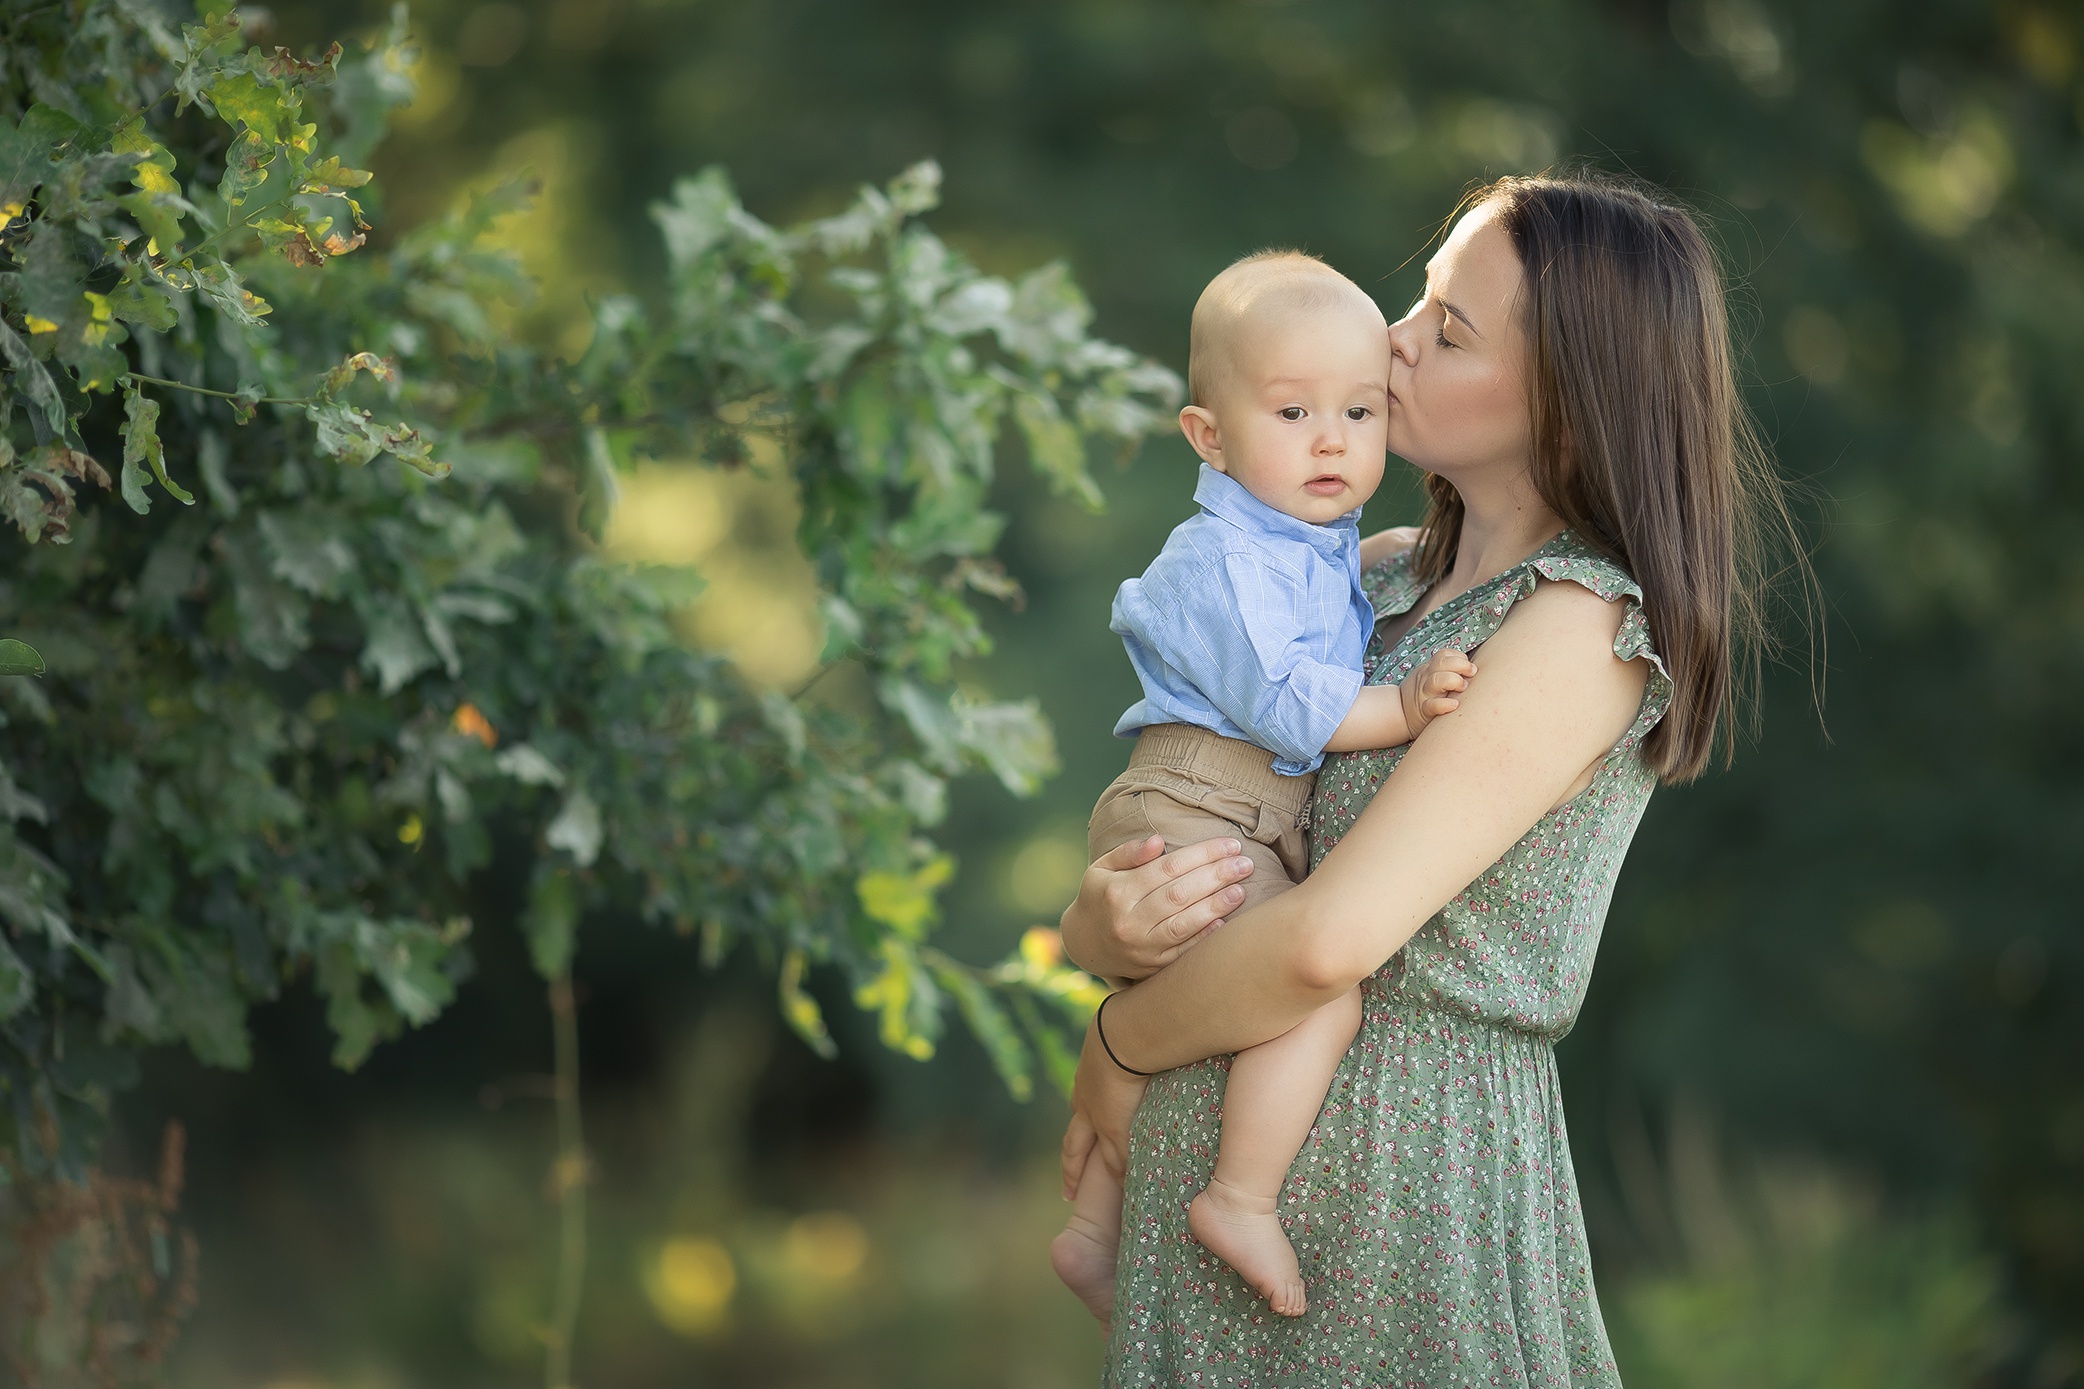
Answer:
[(471, 722), (129, 137), (154, 180), (1042, 947), (10, 211), (890, 994), (799, 1008), (39, 325), (905, 901), (262, 107), (101, 317)]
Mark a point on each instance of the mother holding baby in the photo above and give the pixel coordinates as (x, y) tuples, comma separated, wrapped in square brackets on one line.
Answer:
[(1566, 385)]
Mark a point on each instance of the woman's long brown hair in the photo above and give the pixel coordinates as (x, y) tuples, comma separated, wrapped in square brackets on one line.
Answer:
[(1642, 444)]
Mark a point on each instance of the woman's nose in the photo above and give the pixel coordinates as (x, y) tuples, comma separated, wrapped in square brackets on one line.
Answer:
[(1403, 340)]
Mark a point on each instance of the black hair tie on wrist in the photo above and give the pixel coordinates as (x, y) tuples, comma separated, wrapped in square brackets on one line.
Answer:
[(1100, 1026)]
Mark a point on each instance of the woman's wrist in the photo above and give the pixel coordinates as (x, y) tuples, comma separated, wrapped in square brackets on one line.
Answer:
[(1100, 1028)]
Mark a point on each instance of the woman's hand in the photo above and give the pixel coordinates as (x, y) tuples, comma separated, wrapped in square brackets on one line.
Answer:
[(1387, 544), (1138, 907), (1103, 1103)]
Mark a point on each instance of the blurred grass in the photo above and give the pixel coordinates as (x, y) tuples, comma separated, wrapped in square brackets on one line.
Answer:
[(881, 1263)]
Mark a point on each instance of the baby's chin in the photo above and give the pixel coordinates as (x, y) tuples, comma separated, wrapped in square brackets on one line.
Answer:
[(1321, 510)]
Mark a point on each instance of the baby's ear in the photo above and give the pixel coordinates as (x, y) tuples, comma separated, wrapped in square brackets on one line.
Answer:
[(1202, 435)]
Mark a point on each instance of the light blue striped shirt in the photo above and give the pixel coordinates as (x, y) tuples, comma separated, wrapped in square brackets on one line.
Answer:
[(1249, 623)]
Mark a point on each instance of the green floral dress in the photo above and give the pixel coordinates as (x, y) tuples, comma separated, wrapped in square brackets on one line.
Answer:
[(1434, 1206)]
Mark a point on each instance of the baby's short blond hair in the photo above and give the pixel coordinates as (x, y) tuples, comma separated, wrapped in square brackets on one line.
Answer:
[(1249, 293)]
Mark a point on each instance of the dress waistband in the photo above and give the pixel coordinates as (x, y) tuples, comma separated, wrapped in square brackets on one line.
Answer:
[(1228, 762)]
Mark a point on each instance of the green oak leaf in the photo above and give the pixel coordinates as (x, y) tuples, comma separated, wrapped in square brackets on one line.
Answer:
[(19, 658)]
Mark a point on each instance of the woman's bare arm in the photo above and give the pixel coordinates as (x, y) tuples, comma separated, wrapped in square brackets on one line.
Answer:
[(1552, 703)]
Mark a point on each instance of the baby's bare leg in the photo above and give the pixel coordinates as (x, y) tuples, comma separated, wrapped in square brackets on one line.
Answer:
[(1276, 1090), (1134, 809), (1083, 1254)]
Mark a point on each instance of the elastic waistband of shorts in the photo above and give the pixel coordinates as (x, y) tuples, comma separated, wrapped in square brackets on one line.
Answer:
[(1227, 762)]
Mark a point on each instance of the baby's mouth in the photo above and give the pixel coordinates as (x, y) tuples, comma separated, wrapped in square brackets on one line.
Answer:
[(1326, 485)]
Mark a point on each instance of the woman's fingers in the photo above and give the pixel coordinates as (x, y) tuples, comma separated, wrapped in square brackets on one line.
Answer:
[(1189, 904), (1172, 953), (1181, 863), (1157, 891), (1134, 854), (1138, 906), (1079, 1140)]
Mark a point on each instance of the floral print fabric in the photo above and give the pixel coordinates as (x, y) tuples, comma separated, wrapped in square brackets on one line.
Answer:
[(1434, 1207)]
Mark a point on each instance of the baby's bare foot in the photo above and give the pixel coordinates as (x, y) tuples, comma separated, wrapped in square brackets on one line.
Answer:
[(1244, 1232), (1084, 1259)]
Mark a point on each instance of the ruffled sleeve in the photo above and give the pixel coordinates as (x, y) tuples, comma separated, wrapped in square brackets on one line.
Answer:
[(1470, 621), (1568, 559)]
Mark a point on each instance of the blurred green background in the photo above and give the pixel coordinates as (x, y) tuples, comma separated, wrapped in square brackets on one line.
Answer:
[(1827, 1098)]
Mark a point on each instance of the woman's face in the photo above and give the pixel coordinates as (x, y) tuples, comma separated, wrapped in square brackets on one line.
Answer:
[(1458, 371)]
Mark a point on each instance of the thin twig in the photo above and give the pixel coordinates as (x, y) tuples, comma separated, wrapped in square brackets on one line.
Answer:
[(569, 1178), (221, 395), (805, 688)]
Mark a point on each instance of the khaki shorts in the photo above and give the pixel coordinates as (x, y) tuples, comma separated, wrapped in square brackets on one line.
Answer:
[(1189, 784)]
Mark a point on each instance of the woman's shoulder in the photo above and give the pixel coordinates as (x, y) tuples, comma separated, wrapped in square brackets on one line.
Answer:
[(1576, 594)]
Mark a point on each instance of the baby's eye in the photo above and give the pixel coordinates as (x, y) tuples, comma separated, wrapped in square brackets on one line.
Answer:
[(1357, 413), (1291, 413)]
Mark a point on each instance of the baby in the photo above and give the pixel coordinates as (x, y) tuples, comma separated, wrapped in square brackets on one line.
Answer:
[(1248, 633)]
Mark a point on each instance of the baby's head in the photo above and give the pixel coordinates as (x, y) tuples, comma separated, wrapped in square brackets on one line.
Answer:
[(1289, 373)]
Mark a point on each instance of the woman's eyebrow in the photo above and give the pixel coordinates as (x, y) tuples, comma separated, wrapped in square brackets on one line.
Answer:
[(1457, 312)]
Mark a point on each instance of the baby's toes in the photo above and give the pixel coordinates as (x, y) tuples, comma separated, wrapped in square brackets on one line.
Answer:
[(1289, 1300)]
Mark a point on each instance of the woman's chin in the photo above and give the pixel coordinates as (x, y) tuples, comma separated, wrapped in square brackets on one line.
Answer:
[(1417, 458)]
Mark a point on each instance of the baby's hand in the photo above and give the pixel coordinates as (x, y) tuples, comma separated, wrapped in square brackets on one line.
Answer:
[(1435, 688)]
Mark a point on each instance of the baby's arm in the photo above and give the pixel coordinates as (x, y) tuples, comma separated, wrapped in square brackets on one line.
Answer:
[(1387, 544), (1385, 715)]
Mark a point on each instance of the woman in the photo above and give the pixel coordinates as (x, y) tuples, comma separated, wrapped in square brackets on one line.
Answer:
[(1566, 384)]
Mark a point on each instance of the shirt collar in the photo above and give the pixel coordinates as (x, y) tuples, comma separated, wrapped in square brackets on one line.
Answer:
[(1224, 496)]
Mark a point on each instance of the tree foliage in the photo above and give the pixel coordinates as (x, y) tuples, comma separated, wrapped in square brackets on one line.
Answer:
[(349, 642)]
